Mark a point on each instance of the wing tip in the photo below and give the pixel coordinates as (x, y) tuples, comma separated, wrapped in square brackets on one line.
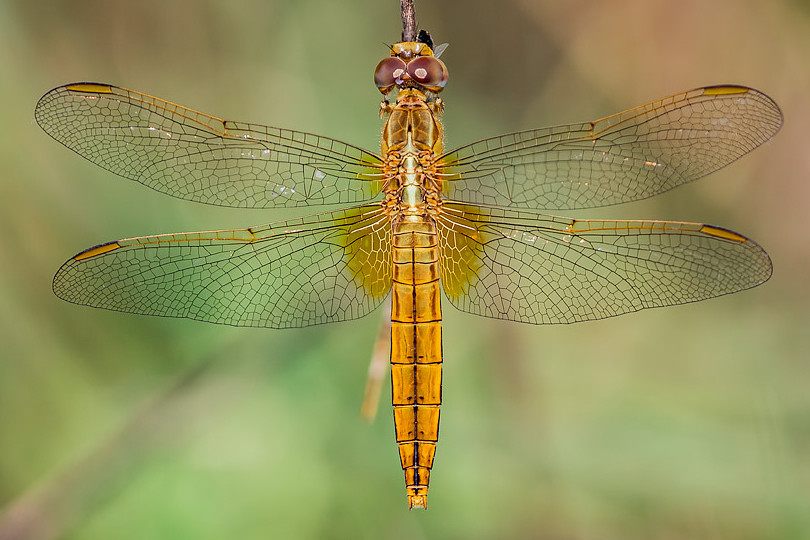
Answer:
[(776, 120)]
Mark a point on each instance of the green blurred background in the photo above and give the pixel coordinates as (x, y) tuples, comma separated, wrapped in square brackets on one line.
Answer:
[(687, 422)]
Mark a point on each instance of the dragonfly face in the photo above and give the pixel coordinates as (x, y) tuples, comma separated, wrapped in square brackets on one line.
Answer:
[(464, 221), (411, 64)]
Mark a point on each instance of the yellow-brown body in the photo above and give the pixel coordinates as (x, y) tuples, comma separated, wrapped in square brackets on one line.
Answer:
[(412, 137)]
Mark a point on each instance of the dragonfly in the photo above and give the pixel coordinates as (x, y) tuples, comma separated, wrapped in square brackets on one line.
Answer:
[(416, 220)]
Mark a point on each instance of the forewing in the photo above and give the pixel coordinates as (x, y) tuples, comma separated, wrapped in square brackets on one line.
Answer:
[(625, 157), (325, 268), (541, 269), (197, 157)]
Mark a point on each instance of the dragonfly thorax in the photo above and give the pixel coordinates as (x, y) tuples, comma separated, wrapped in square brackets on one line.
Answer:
[(411, 142)]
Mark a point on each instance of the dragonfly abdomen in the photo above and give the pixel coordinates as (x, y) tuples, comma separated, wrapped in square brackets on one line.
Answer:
[(416, 350)]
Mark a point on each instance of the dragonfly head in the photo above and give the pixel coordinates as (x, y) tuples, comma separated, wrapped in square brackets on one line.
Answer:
[(412, 64)]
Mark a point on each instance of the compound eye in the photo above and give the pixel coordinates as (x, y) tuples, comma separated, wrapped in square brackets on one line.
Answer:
[(389, 72), (428, 71)]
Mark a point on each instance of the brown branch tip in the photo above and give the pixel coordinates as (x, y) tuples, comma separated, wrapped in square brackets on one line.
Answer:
[(408, 20)]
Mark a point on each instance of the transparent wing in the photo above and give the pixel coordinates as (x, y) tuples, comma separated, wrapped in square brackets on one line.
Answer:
[(625, 157), (317, 269), (194, 156), (542, 269)]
